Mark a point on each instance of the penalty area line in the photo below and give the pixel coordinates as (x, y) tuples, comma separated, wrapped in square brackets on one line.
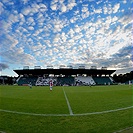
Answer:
[(83, 114), (68, 104)]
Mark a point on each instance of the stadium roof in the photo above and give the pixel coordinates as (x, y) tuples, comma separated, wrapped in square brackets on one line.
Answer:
[(64, 71)]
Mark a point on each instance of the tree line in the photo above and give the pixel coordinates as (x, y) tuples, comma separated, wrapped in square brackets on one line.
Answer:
[(122, 78)]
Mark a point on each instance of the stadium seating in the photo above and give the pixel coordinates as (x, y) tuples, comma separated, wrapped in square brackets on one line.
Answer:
[(103, 80), (65, 81), (43, 81), (127, 82), (84, 80), (60, 81), (27, 80)]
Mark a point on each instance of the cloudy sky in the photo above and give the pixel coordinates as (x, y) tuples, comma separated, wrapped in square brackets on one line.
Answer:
[(62, 32)]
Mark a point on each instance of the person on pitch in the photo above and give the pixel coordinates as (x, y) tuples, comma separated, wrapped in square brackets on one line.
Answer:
[(30, 85), (51, 85)]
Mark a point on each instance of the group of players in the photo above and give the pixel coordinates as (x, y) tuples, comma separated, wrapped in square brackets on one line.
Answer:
[(50, 84)]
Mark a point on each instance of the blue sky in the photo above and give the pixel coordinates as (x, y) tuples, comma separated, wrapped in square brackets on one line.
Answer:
[(62, 32)]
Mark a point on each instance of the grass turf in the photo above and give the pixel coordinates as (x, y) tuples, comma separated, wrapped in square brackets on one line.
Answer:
[(82, 100)]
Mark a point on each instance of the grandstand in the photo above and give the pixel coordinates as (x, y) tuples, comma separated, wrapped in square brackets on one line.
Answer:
[(64, 76)]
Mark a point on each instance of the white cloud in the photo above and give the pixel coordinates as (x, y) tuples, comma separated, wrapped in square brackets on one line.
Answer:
[(124, 1), (77, 29), (85, 8), (71, 5), (31, 28), (8, 2), (71, 33), (83, 42), (107, 9), (56, 38), (98, 10), (13, 18), (99, 2), (5, 1), (54, 1), (57, 28), (17, 55), (61, 1), (116, 8), (8, 43), (126, 19), (63, 8), (73, 20), (63, 37), (21, 16), (38, 47), (92, 29), (42, 8), (34, 8), (25, 1), (1, 8), (39, 16), (54, 7), (114, 19), (21, 30), (6, 27), (58, 25), (30, 20), (85, 15), (26, 10), (37, 32)]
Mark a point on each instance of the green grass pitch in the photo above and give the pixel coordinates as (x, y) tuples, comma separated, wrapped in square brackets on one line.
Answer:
[(38, 110)]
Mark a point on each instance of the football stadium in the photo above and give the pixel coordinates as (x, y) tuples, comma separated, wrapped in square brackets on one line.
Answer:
[(82, 100), (66, 66), (65, 76)]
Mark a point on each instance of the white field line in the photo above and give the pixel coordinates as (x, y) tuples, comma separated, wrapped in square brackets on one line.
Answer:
[(84, 114), (33, 114), (2, 132), (123, 130), (68, 104), (104, 112)]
